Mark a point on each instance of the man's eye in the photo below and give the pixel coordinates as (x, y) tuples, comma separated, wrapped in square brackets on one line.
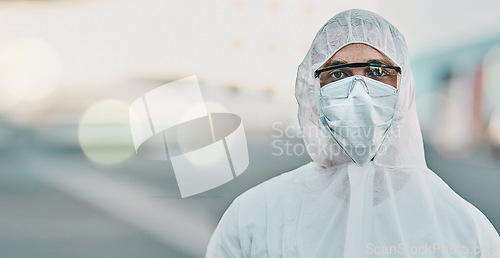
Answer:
[(336, 74), (378, 71)]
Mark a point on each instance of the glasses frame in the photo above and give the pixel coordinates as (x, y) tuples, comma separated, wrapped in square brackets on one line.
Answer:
[(318, 72)]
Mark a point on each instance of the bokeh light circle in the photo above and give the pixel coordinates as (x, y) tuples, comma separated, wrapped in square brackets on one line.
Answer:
[(491, 70), (494, 129), (104, 132), (30, 70)]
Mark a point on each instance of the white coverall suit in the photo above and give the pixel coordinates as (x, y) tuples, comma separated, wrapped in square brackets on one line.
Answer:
[(393, 206)]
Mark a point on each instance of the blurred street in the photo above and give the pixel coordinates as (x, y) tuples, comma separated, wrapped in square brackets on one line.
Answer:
[(56, 203)]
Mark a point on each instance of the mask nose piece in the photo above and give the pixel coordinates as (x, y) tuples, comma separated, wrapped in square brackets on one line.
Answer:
[(354, 89)]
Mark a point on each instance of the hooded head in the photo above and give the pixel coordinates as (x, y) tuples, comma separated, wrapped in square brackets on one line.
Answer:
[(403, 144)]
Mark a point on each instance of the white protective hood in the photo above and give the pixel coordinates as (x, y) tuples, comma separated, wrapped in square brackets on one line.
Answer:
[(403, 146), (391, 207)]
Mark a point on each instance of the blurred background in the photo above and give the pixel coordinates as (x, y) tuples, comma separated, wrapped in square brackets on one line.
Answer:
[(71, 184)]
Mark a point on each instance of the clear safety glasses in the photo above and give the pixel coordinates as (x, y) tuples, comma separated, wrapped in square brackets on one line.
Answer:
[(383, 73)]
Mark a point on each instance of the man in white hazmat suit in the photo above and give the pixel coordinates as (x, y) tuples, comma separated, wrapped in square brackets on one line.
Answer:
[(368, 191)]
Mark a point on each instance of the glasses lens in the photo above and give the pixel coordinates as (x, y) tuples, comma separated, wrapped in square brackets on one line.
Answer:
[(382, 74), (334, 75)]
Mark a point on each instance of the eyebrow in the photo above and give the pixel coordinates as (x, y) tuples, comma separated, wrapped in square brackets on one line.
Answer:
[(335, 62), (380, 61), (372, 61)]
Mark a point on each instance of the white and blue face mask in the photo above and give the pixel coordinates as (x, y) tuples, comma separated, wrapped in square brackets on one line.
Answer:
[(358, 112)]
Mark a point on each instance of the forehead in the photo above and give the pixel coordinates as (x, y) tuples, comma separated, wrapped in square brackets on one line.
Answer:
[(358, 53)]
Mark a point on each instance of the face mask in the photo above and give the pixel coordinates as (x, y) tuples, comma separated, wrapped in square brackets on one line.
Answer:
[(358, 112)]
